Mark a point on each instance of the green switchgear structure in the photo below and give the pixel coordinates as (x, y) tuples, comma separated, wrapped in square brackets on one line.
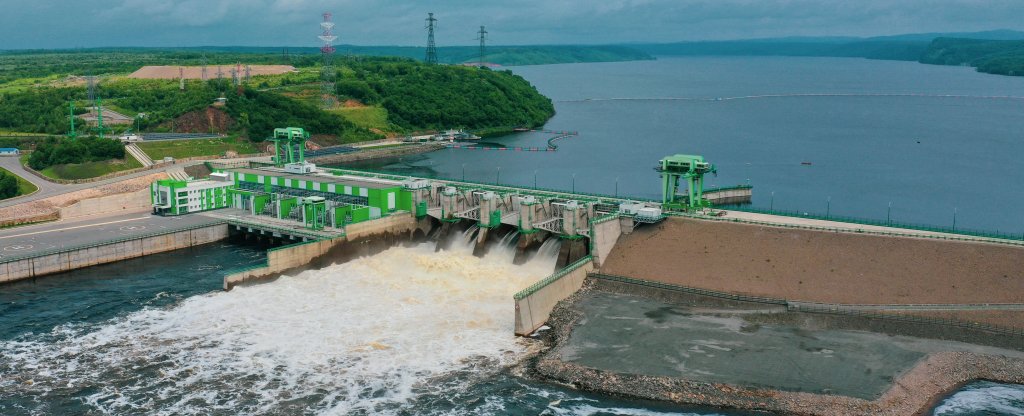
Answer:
[(314, 212), (689, 167), (289, 145)]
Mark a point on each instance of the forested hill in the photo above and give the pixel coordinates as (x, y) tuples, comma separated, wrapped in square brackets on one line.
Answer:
[(509, 55), (1003, 57), (407, 95)]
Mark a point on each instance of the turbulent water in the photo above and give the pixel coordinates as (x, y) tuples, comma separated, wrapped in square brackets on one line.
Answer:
[(406, 331)]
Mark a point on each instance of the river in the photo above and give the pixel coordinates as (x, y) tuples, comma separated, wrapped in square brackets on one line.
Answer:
[(932, 142)]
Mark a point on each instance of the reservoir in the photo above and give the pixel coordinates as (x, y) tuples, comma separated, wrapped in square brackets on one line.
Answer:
[(841, 136)]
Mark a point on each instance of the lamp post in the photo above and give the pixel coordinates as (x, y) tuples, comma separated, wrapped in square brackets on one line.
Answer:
[(616, 186), (771, 205), (954, 218), (497, 179), (535, 179), (463, 172), (574, 183), (888, 215), (828, 207)]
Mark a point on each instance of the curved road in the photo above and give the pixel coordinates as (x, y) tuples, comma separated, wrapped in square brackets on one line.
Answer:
[(48, 189)]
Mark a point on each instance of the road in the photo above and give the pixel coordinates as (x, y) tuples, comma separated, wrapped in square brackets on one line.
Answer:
[(48, 189), (19, 241)]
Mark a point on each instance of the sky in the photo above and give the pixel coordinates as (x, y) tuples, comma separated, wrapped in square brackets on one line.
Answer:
[(162, 23)]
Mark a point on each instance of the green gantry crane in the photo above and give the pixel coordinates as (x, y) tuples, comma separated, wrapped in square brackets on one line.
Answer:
[(289, 145), (689, 167)]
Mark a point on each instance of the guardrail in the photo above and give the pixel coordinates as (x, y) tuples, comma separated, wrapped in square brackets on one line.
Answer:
[(290, 231), (881, 223), (836, 310), (552, 278), (947, 237), (690, 290), (812, 307), (59, 250)]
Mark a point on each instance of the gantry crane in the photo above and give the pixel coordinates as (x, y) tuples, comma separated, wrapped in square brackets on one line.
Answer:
[(689, 167)]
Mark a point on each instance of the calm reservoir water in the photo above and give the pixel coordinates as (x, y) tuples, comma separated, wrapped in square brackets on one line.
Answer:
[(927, 139)]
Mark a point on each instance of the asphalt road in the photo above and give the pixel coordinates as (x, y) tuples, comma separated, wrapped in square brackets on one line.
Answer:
[(19, 241)]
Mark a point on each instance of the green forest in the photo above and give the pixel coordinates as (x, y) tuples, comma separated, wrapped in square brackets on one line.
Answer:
[(1003, 57), (8, 185), (53, 152), (415, 95)]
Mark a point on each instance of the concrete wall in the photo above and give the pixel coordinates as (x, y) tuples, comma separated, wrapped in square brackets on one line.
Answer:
[(108, 253), (535, 309), (137, 201), (300, 255), (729, 196), (604, 237)]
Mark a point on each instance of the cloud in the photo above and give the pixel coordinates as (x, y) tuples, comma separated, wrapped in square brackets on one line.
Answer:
[(62, 23)]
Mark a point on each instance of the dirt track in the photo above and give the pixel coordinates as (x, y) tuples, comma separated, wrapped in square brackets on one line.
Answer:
[(819, 266), (195, 72)]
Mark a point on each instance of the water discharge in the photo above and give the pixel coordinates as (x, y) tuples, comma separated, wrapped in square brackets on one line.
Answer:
[(365, 337)]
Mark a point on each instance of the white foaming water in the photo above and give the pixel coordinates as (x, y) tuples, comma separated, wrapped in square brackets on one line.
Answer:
[(365, 337), (549, 249), (984, 398)]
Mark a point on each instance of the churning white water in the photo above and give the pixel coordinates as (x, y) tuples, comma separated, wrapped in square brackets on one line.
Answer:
[(364, 337)]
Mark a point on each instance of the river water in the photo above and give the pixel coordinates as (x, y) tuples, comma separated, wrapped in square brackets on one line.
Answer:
[(930, 140)]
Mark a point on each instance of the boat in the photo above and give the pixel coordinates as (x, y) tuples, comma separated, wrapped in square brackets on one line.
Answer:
[(805, 163)]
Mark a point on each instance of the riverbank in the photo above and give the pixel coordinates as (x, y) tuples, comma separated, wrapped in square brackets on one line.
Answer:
[(642, 368)]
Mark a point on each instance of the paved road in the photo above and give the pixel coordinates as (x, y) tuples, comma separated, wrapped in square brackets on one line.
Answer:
[(48, 189), (20, 241)]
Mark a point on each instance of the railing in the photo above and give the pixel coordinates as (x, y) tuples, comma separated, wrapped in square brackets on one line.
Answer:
[(552, 278), (895, 233), (289, 231), (59, 250), (882, 223), (811, 307)]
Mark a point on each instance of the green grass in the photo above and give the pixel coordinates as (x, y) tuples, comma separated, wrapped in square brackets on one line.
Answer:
[(90, 169), (367, 117), (180, 149), (24, 187)]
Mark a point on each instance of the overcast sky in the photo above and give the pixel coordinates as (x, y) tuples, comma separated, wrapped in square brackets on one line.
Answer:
[(91, 23)]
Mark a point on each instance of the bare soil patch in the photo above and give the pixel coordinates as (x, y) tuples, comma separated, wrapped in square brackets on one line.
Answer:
[(819, 266)]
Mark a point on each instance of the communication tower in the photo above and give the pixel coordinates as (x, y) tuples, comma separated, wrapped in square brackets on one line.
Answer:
[(482, 35), (431, 49), (327, 51), (220, 72)]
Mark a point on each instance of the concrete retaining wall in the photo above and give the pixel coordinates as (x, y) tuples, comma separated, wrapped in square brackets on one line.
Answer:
[(604, 237), (108, 253), (137, 201), (534, 309), (301, 255)]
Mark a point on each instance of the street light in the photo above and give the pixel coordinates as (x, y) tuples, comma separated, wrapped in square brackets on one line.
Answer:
[(535, 179), (888, 215), (463, 172), (771, 205), (828, 207), (616, 186), (954, 218), (497, 180), (574, 183)]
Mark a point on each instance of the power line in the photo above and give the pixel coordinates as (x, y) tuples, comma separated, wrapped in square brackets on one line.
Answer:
[(482, 36)]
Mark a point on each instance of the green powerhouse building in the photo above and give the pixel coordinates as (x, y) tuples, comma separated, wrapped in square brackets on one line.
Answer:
[(317, 200)]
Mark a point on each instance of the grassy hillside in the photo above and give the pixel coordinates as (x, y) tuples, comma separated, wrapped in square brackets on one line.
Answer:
[(1003, 57), (180, 149)]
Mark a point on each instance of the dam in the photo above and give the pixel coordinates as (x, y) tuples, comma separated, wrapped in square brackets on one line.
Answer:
[(565, 253)]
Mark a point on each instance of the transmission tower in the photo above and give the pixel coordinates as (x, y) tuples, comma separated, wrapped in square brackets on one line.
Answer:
[(482, 36), (431, 49), (327, 70), (220, 72), (248, 72), (234, 77), (203, 76), (181, 78), (91, 80)]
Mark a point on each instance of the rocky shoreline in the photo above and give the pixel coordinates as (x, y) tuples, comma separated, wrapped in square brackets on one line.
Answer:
[(382, 153), (913, 393)]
